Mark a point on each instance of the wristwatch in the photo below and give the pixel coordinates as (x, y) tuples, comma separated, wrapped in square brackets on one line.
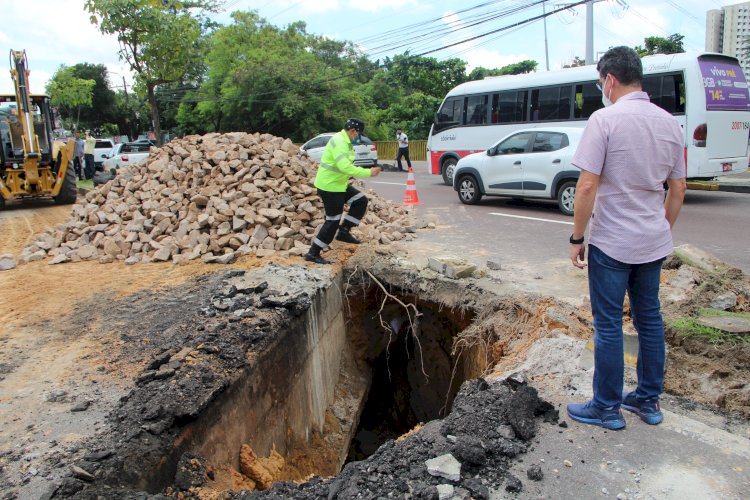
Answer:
[(574, 241)]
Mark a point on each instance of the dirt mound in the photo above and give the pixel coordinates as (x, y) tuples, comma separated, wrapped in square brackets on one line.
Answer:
[(213, 197), (491, 423)]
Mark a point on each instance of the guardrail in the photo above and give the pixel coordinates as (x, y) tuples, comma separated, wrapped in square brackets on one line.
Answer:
[(387, 150)]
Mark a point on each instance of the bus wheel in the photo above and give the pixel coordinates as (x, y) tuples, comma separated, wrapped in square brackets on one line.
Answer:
[(468, 190), (449, 167), (566, 197)]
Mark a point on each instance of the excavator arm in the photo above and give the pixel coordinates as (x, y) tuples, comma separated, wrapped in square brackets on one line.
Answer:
[(41, 174)]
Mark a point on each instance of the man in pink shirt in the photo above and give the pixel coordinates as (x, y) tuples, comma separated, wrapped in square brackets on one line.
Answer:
[(628, 151)]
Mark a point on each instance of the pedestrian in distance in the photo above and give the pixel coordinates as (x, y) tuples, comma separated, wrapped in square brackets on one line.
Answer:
[(403, 149), (88, 155), (78, 154), (332, 181), (628, 151)]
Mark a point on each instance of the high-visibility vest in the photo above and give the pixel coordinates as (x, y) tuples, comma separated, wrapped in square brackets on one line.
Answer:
[(337, 165)]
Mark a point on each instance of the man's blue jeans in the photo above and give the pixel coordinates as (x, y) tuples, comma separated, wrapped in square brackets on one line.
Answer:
[(609, 279)]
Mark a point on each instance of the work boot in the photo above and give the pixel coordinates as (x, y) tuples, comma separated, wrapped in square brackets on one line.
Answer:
[(346, 236), (313, 255)]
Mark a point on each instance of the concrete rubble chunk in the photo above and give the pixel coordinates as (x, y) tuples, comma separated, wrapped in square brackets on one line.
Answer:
[(729, 324), (7, 264), (724, 302), (445, 466), (445, 491), (217, 194), (451, 267)]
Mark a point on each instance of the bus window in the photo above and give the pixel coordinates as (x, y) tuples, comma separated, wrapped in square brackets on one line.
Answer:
[(476, 110), (652, 86), (673, 94), (553, 103), (588, 99), (508, 107), (449, 114)]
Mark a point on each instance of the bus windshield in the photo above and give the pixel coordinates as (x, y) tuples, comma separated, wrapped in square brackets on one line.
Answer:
[(724, 84)]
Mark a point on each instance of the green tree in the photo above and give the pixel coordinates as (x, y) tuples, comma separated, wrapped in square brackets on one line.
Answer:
[(160, 40), (660, 45), (69, 93), (283, 81), (526, 66), (577, 61), (407, 74)]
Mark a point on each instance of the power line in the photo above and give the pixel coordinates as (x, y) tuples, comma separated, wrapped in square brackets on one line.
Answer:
[(378, 66), (424, 39)]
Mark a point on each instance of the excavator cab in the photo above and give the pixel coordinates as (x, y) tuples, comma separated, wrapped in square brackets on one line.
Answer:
[(30, 164), (11, 131)]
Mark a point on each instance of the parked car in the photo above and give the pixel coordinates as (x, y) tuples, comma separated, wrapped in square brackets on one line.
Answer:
[(365, 151), (529, 163), (124, 154), (101, 149)]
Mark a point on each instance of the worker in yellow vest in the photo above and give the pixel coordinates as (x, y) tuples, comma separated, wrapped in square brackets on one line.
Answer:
[(332, 181)]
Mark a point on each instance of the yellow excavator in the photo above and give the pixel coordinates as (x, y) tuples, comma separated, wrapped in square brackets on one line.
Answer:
[(30, 164)]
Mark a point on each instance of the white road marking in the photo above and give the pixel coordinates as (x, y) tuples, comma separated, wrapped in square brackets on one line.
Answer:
[(532, 218), (391, 183)]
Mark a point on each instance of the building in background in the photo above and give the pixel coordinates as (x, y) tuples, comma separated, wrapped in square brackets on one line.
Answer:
[(728, 32)]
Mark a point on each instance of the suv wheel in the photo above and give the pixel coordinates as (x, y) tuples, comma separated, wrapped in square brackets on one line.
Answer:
[(566, 197), (468, 190), (449, 168)]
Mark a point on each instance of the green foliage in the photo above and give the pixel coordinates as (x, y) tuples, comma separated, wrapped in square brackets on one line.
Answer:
[(577, 61), (518, 68), (660, 45), (689, 327), (727, 314), (282, 81), (70, 93), (160, 40)]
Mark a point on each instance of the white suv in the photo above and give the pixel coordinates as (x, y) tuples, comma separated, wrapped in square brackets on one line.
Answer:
[(365, 154), (101, 150), (125, 154), (529, 163)]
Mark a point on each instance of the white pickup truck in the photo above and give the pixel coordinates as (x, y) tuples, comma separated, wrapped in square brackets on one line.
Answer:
[(127, 153)]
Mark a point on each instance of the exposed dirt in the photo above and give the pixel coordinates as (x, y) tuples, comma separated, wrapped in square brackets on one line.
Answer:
[(103, 366)]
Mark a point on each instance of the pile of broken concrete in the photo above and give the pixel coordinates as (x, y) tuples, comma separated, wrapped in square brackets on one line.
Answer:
[(212, 197)]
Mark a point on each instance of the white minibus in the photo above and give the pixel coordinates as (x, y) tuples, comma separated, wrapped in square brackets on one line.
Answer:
[(706, 92)]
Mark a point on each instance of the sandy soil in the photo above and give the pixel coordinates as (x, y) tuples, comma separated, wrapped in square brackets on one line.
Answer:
[(51, 339)]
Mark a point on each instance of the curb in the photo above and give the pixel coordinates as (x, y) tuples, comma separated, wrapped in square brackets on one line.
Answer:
[(718, 186)]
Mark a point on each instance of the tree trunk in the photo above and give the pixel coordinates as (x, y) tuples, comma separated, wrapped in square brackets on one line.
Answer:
[(154, 113)]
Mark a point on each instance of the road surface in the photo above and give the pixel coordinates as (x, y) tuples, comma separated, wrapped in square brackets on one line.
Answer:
[(534, 232)]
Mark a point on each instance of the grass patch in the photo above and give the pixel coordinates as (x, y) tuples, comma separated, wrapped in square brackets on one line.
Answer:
[(688, 327), (86, 184), (717, 312), (684, 259)]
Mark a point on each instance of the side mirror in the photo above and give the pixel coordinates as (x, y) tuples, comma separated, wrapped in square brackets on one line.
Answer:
[(491, 152)]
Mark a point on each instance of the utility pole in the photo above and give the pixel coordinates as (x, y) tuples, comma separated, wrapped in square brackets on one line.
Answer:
[(590, 32), (546, 47)]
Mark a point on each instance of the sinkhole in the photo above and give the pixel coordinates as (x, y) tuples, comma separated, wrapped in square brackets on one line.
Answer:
[(360, 367)]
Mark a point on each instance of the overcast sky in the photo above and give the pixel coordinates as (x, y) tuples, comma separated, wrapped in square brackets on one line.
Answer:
[(62, 34)]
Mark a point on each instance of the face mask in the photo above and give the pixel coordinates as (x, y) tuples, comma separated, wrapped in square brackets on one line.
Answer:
[(606, 100)]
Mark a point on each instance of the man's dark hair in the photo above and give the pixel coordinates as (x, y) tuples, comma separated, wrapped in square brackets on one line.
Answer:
[(623, 63)]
